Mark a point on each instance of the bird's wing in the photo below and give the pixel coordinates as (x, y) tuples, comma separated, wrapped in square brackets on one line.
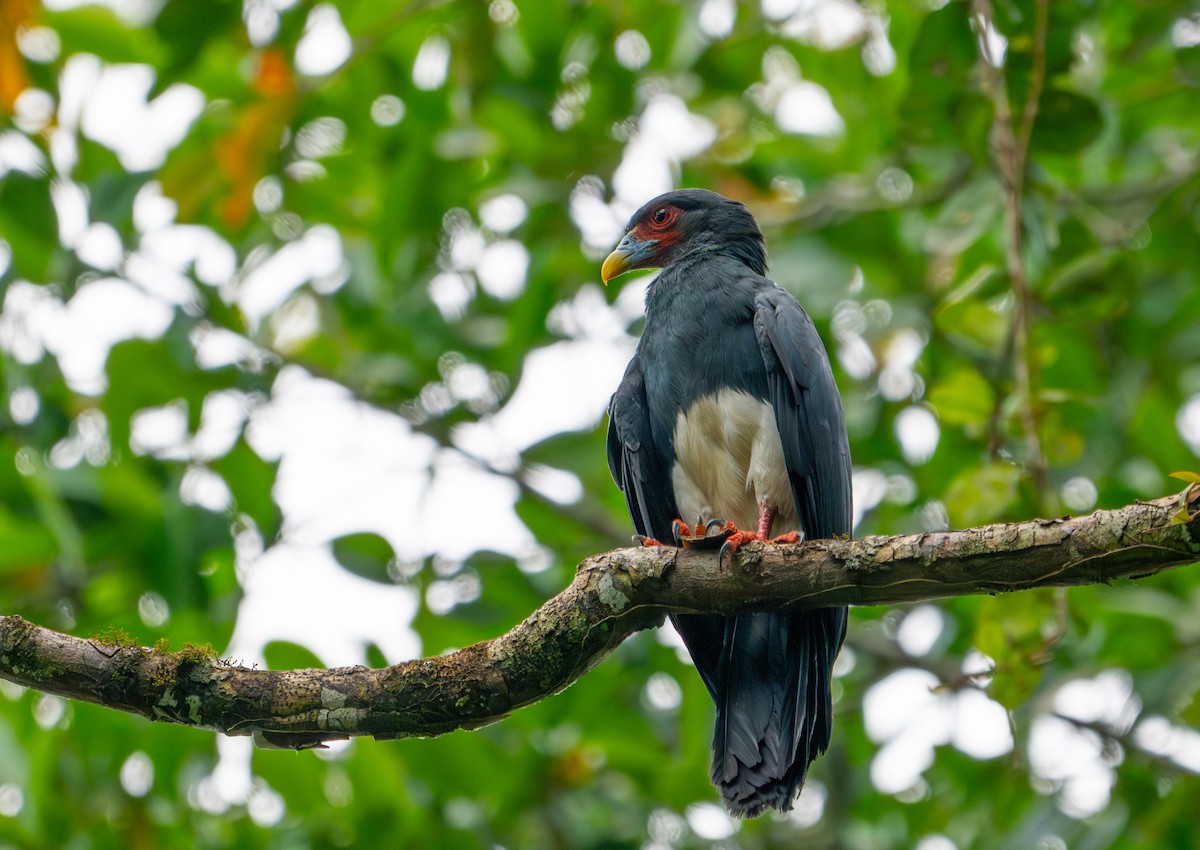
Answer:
[(639, 469), (643, 472), (808, 413)]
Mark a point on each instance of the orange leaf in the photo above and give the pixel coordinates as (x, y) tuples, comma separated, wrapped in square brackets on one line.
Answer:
[(275, 77), (14, 14), (244, 153)]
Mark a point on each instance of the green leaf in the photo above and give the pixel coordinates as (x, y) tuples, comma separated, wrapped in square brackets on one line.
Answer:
[(250, 479), (188, 26), (285, 655), (982, 494), (29, 225), (24, 543), (1012, 629), (95, 29), (965, 217), (1191, 713), (152, 373), (375, 656), (1066, 122), (366, 555), (963, 398), (936, 106)]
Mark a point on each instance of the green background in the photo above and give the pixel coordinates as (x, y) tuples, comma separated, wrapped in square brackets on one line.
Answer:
[(897, 235)]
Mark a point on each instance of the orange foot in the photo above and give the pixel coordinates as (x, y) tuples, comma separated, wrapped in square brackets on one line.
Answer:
[(766, 517), (740, 538)]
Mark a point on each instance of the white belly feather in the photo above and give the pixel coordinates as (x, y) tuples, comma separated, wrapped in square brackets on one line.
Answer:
[(729, 461)]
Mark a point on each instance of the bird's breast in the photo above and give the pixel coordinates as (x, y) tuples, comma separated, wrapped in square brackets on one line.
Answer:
[(729, 461)]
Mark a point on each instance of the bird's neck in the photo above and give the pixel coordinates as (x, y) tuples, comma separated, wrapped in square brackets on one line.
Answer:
[(678, 286), (749, 251), (709, 265), (689, 291)]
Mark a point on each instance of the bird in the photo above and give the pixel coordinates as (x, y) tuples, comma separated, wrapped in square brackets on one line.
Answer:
[(728, 412)]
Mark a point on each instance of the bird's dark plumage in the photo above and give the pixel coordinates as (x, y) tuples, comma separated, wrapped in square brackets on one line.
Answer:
[(729, 408)]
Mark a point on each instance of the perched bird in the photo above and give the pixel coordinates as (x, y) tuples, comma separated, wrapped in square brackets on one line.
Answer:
[(728, 411)]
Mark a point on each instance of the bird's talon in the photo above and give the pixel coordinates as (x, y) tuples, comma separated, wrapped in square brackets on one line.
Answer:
[(643, 540), (706, 536), (738, 539)]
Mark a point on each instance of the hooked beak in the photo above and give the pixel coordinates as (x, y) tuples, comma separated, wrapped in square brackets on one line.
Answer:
[(627, 256)]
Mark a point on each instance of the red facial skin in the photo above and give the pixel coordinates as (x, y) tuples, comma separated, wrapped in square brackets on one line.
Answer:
[(664, 231)]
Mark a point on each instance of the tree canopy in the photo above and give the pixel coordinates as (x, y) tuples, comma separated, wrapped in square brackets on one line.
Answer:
[(305, 357)]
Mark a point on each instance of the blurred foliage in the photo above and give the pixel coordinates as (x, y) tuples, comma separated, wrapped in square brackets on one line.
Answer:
[(999, 242)]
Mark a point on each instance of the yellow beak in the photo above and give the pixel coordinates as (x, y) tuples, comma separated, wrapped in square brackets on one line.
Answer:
[(632, 253)]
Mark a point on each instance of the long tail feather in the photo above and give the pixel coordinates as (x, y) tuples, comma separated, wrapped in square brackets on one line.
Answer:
[(770, 677)]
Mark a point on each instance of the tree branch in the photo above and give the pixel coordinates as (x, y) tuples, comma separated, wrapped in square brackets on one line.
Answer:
[(614, 594)]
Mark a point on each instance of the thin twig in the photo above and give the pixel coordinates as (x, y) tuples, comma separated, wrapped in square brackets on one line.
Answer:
[(1011, 149)]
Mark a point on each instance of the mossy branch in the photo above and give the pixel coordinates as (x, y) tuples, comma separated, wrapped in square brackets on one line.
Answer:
[(614, 594)]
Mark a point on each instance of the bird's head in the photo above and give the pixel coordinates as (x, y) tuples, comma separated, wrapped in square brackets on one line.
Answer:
[(678, 223)]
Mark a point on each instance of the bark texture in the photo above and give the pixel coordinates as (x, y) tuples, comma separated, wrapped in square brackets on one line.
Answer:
[(614, 594)]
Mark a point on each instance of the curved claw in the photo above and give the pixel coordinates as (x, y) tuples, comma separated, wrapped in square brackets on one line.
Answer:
[(731, 545), (736, 540), (704, 536)]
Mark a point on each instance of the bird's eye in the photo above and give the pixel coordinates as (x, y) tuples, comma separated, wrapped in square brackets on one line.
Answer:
[(662, 218)]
